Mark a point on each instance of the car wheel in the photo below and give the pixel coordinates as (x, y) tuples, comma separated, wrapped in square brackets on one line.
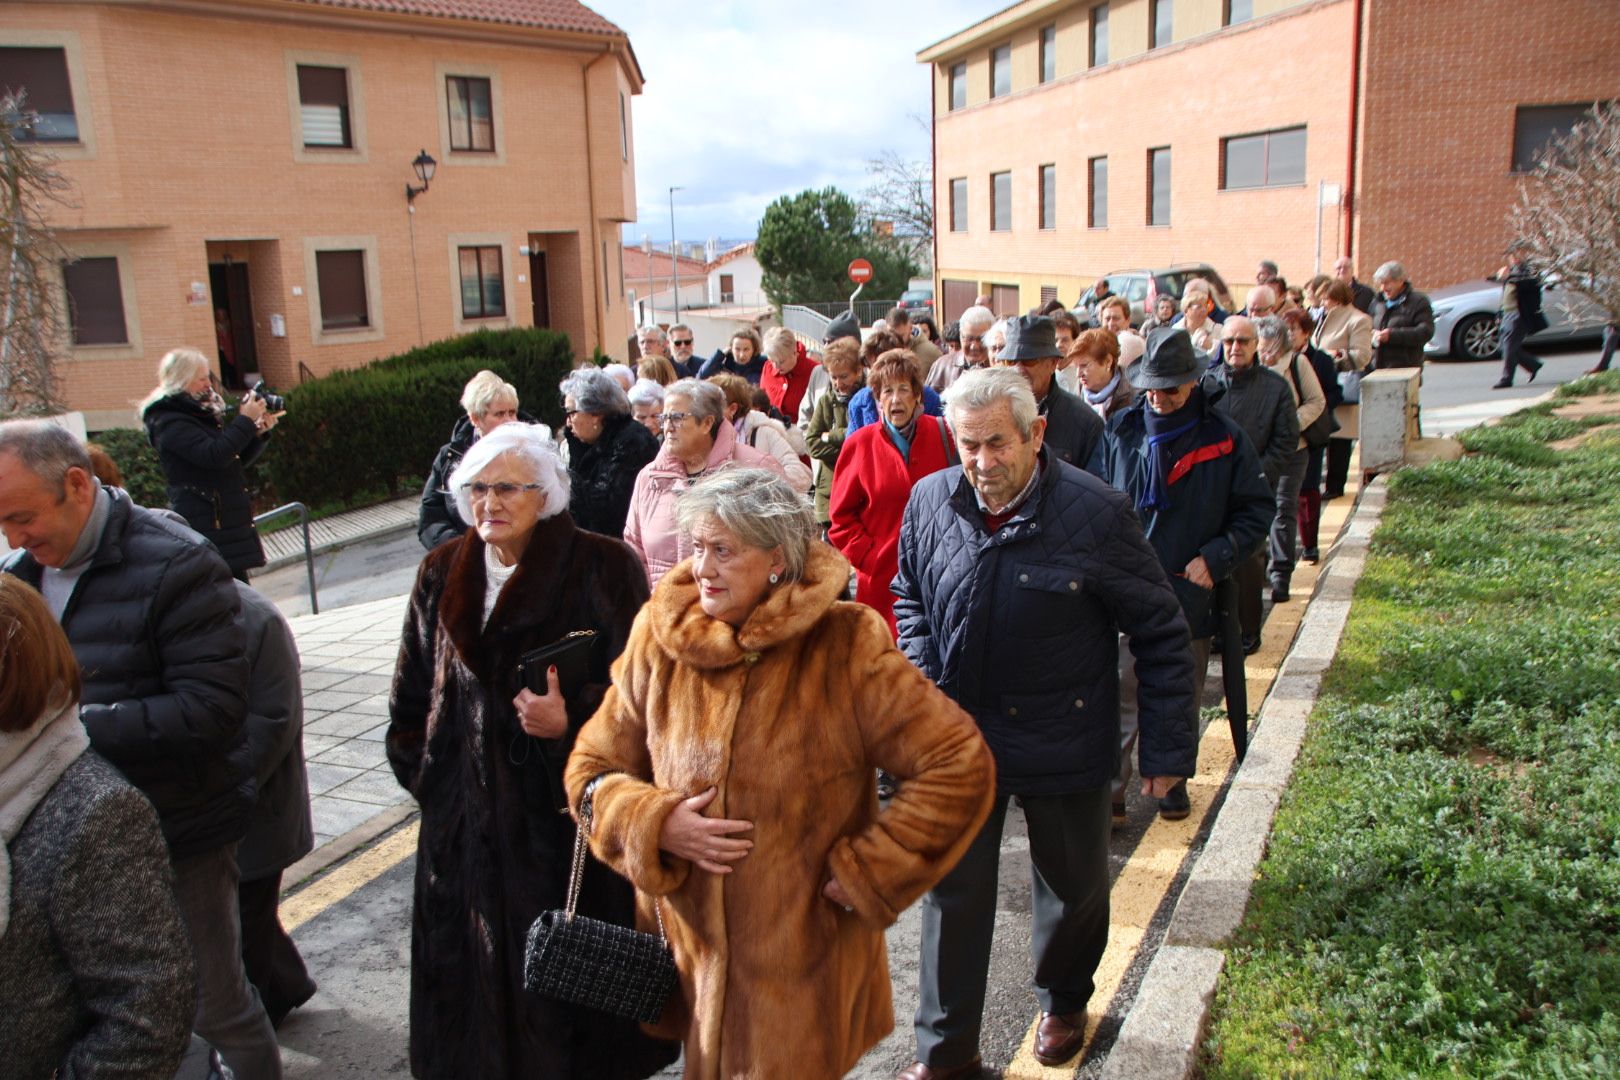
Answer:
[(1476, 338)]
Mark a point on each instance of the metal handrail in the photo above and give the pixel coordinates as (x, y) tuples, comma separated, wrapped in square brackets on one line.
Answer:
[(304, 373), (309, 552)]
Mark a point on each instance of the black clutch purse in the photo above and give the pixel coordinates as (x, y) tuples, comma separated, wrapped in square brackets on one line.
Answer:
[(571, 654), (597, 964)]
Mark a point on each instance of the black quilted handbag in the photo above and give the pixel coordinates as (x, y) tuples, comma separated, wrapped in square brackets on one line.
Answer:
[(598, 964)]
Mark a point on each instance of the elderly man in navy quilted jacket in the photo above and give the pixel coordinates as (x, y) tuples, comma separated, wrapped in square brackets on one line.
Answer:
[(1017, 574)]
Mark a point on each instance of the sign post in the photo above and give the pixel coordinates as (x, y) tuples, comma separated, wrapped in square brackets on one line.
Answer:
[(860, 272)]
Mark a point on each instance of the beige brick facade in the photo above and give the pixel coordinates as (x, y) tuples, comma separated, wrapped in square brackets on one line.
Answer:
[(1436, 99), (191, 156)]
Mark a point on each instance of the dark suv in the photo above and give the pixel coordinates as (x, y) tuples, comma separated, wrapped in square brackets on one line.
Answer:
[(917, 301), (1142, 287)]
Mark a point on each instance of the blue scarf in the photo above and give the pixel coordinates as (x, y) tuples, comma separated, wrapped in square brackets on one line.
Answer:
[(1161, 432), (901, 437), (1104, 394)]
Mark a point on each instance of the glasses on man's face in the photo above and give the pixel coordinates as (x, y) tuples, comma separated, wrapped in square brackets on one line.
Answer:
[(972, 342), (681, 343), (503, 490), (1235, 340), (670, 419)]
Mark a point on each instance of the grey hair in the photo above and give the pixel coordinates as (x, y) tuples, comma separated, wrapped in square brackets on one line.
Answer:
[(780, 343), (177, 368), (646, 392), (1272, 328), (1268, 266), (680, 326), (531, 443), (622, 374), (653, 333), (982, 388), (708, 400), (976, 316), (46, 449), (485, 389), (596, 392), (760, 507), (1390, 271)]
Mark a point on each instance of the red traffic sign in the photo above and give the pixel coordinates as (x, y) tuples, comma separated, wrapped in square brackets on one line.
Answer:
[(860, 271)]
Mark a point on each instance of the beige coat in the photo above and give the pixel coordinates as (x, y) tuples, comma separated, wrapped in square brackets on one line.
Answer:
[(1347, 330), (788, 716), (1309, 399)]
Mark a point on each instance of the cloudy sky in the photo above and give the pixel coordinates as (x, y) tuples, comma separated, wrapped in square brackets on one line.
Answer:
[(746, 101)]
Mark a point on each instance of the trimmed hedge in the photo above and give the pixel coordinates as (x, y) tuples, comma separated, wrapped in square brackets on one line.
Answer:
[(353, 435), (138, 461)]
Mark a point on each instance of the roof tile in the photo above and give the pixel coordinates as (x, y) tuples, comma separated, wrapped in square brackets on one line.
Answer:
[(567, 15)]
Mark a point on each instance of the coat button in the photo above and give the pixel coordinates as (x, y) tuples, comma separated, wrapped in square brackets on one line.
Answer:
[(1079, 703), (751, 658), (1012, 711), (1023, 577), (1073, 585)]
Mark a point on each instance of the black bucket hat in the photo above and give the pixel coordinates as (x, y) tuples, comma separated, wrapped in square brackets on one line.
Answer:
[(1170, 361), (1030, 337)]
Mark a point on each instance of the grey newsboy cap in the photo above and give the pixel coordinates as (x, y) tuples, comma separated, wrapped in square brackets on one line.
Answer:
[(845, 325), (1029, 337), (1170, 361)]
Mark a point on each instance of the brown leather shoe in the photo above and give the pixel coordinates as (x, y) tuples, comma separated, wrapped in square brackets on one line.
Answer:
[(1059, 1037), (918, 1071)]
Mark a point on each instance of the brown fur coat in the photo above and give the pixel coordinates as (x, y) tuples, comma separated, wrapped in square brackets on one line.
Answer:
[(789, 716), (494, 848)]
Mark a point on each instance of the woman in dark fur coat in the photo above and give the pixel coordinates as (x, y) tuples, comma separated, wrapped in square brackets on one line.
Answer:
[(607, 447), (483, 755)]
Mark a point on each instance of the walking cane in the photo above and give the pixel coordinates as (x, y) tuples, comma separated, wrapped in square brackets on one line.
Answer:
[(1233, 679)]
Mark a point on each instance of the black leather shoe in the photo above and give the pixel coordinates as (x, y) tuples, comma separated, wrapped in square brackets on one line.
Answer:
[(1251, 645), (1312, 555), (918, 1071), (1534, 372), (1175, 805), (1279, 593), (1058, 1037), (1503, 385)]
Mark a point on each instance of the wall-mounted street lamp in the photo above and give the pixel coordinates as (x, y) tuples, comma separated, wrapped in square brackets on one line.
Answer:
[(424, 166)]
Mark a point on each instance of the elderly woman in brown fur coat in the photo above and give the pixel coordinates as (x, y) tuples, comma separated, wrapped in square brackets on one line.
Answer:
[(483, 754), (730, 774)]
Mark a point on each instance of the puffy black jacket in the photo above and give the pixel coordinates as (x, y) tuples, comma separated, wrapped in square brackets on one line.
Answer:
[(153, 623), (203, 462), (1074, 431), (281, 831), (602, 474), (1220, 504), (1262, 403), (1021, 627), (1410, 322)]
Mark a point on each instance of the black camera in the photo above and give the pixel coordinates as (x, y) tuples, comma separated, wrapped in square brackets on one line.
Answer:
[(272, 401)]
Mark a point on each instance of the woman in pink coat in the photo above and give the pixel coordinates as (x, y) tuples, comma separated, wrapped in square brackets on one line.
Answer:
[(697, 442)]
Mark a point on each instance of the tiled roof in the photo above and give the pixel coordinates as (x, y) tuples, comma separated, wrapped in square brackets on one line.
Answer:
[(735, 253), (567, 15), (635, 266)]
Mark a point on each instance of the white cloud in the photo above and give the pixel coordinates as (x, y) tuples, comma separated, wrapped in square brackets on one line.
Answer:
[(748, 102)]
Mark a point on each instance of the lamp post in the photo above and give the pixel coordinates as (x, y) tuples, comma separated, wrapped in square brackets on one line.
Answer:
[(424, 165), (674, 279)]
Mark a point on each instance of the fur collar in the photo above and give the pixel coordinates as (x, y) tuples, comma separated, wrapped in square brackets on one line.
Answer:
[(541, 572), (788, 611)]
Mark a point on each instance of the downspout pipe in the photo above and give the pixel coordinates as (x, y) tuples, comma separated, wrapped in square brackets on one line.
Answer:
[(1349, 205), (590, 186)]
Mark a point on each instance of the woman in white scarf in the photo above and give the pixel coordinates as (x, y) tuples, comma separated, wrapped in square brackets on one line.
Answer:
[(95, 967)]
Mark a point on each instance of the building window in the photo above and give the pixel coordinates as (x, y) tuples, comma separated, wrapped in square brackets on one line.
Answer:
[(1048, 196), (1159, 186), (958, 86), (1000, 202), (1048, 53), (95, 302), (1161, 23), (1269, 159), (341, 281), (1048, 294), (1238, 11), (323, 97), (1097, 215), (483, 289), (728, 288), (472, 120), (1535, 126), (959, 205), (624, 128), (1001, 71), (1099, 35), (42, 74)]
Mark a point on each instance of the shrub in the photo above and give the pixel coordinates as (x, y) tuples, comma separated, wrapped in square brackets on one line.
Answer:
[(135, 458)]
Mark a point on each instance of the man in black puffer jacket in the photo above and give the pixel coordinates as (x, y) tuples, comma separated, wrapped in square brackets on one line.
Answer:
[(150, 609), (1017, 574)]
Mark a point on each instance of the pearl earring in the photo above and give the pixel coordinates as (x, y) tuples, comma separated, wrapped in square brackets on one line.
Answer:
[(775, 578)]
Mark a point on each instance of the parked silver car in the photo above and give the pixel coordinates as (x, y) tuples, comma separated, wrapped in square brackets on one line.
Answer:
[(1467, 317)]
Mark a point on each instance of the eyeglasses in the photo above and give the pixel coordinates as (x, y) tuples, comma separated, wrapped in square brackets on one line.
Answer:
[(669, 418), (480, 490), (971, 342), (679, 343), (1237, 341)]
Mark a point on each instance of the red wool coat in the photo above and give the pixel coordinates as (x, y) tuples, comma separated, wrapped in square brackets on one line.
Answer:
[(787, 391), (870, 488)]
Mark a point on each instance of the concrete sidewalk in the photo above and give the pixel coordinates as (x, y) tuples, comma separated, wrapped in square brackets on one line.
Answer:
[(286, 546)]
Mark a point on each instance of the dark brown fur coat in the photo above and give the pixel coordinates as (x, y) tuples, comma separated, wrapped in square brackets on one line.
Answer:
[(789, 716), (495, 846)]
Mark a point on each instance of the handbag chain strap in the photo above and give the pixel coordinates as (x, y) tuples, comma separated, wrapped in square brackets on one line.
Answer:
[(576, 873)]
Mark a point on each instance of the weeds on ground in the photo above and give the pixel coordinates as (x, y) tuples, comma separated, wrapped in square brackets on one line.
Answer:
[(1442, 891)]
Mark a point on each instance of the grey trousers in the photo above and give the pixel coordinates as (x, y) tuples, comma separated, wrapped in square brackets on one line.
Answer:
[(1127, 707), (229, 1013), (1514, 354), (1280, 546), (1068, 849)]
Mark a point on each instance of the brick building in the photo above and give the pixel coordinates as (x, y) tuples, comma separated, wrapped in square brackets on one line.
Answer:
[(246, 163), (1073, 139)]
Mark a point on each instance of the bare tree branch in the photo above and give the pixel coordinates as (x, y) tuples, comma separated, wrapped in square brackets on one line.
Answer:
[(902, 194), (31, 331)]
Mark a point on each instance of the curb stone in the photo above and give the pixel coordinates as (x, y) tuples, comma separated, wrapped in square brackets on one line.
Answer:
[(1160, 1036)]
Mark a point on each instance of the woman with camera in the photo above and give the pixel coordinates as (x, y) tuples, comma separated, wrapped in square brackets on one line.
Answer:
[(203, 457)]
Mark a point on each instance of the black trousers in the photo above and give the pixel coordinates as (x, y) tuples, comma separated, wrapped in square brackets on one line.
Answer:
[(1338, 467), (273, 964), (1514, 354)]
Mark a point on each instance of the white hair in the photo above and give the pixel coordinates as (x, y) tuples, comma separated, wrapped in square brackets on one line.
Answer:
[(707, 399), (982, 388), (760, 507), (780, 344), (484, 390), (652, 333), (530, 443), (177, 368), (622, 374), (647, 392), (1390, 271), (976, 316)]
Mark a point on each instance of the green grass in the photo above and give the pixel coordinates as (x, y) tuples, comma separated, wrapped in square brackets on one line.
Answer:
[(1441, 896)]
